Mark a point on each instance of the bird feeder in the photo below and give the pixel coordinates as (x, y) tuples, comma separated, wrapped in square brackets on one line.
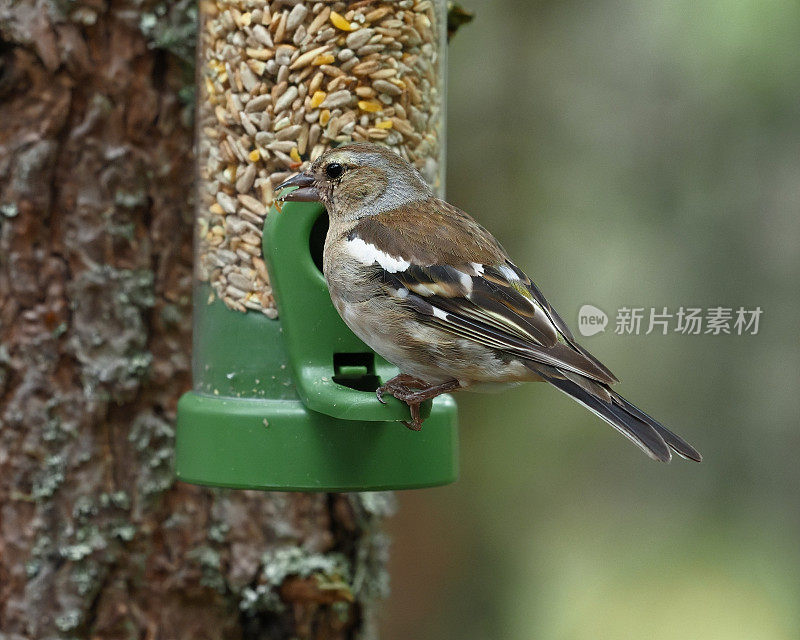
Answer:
[(283, 392)]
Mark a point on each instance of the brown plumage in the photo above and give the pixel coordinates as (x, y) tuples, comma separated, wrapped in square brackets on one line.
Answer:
[(448, 236), (433, 292)]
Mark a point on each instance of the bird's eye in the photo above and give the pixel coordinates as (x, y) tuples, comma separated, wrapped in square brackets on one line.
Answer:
[(334, 170)]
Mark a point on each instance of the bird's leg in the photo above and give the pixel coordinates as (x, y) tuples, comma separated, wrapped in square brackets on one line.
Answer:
[(416, 420), (414, 392)]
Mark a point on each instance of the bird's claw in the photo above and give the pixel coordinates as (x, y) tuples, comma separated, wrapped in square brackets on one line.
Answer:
[(400, 390), (414, 425)]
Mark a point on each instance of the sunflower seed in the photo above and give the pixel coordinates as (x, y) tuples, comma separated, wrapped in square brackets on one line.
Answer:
[(245, 181), (387, 87), (286, 99), (296, 16), (259, 103), (262, 35), (337, 99), (358, 38)]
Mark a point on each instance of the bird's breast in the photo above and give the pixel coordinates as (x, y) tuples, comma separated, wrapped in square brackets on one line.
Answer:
[(348, 279)]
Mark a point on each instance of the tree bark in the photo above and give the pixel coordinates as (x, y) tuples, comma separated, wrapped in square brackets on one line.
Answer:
[(96, 539)]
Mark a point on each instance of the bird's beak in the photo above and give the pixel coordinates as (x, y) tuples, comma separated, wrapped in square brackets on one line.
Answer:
[(306, 191)]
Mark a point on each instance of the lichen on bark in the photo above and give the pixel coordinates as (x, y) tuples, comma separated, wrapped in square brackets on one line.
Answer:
[(96, 538)]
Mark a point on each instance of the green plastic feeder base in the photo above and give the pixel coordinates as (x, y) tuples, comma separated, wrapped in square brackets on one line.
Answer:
[(289, 404), (281, 445)]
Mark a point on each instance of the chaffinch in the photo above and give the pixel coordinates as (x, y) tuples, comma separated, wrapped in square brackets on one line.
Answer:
[(433, 292)]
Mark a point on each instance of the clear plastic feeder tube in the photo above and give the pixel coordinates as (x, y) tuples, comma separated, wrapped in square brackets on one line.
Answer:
[(281, 82)]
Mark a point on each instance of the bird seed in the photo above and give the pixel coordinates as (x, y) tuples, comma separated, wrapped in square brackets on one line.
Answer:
[(281, 83)]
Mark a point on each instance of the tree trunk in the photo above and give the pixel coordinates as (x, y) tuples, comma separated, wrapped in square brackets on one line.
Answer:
[(96, 539)]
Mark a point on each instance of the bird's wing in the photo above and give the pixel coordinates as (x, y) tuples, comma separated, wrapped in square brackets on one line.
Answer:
[(455, 275), (558, 322), (491, 307)]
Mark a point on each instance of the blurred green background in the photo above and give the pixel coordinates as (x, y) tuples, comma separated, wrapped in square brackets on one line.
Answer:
[(626, 153)]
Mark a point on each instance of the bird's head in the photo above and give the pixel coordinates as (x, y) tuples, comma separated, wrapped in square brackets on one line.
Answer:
[(357, 180)]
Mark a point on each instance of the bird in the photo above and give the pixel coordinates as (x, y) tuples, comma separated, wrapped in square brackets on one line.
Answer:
[(429, 289)]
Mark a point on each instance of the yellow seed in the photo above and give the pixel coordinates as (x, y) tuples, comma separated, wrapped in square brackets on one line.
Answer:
[(294, 155), (209, 87), (322, 58), (216, 209), (340, 23), (246, 19), (370, 105), (386, 124), (317, 99), (324, 117), (254, 155)]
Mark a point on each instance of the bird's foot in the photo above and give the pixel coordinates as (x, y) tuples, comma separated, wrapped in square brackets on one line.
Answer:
[(414, 392), (399, 386)]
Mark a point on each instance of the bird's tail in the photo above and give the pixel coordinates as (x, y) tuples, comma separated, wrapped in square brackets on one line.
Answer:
[(645, 432)]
